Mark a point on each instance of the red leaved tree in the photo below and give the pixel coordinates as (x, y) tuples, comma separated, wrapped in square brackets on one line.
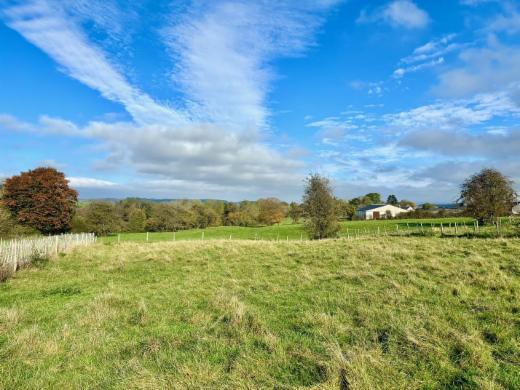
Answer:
[(42, 199)]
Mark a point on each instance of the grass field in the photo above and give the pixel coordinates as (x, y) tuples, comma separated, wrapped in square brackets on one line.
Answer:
[(283, 231), (391, 313), (291, 231)]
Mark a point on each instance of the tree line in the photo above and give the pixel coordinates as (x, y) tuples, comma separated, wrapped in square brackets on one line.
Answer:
[(41, 200)]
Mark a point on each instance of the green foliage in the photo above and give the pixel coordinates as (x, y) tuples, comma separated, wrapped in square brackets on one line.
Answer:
[(398, 313), (295, 212), (9, 228), (403, 203), (371, 198), (136, 220), (101, 218), (428, 206), (171, 217), (78, 223), (392, 199), (205, 216), (345, 210), (7, 223), (488, 195), (356, 202), (320, 208)]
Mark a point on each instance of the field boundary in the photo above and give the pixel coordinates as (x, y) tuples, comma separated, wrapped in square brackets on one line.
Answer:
[(505, 228), (18, 253)]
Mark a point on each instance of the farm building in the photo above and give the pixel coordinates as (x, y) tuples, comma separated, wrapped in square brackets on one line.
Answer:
[(378, 211)]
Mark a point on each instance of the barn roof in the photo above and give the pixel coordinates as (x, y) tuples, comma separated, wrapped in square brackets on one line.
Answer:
[(371, 207)]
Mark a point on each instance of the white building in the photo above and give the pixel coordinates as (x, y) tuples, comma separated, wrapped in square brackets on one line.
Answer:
[(378, 211), (516, 209)]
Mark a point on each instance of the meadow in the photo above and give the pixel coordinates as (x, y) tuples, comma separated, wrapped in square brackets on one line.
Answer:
[(387, 313), (349, 229)]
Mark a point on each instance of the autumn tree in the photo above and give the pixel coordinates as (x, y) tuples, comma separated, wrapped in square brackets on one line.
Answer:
[(270, 211), (319, 207), (229, 214), (488, 195), (42, 199)]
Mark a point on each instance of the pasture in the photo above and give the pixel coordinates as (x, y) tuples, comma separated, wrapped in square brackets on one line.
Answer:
[(349, 229), (392, 313)]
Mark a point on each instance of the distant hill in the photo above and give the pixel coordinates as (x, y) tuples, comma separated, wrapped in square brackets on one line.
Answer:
[(150, 200)]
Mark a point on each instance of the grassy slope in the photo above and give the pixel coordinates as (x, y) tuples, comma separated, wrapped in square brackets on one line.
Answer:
[(286, 230), (396, 313)]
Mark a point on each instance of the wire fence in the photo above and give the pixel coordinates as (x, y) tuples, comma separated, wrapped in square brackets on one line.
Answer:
[(502, 228), (18, 253)]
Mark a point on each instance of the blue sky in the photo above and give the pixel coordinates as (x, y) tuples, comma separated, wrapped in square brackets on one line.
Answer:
[(238, 99)]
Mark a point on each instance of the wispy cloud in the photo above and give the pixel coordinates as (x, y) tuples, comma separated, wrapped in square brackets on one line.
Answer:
[(400, 72), (223, 51), (89, 182), (495, 67), (47, 26), (46, 125), (433, 49)]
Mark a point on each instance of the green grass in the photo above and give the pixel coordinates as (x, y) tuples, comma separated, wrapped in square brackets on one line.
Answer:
[(289, 231), (391, 313)]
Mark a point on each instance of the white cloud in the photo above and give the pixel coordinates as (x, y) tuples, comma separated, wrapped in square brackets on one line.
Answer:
[(476, 2), (401, 72), (508, 22), (398, 13), (433, 49), (46, 125), (454, 114), (204, 155), (9, 122), (406, 14), (89, 182), (466, 144), (48, 27), (223, 51), (495, 67)]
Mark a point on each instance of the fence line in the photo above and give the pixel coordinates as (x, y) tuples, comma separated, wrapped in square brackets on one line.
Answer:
[(446, 229), (17, 253)]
